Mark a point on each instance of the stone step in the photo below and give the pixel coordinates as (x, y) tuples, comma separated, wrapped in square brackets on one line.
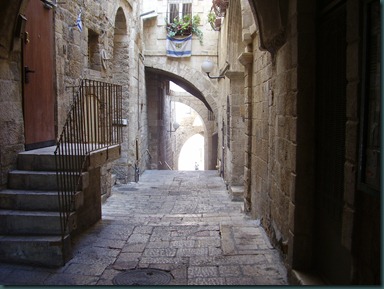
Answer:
[(35, 250), (42, 160), (35, 200), (33, 223), (32, 180), (236, 193), (38, 160), (39, 180)]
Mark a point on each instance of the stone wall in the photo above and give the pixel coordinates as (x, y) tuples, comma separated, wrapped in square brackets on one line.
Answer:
[(11, 114), (280, 176), (113, 27), (159, 122)]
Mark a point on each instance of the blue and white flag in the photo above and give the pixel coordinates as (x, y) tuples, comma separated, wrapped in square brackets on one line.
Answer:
[(79, 24), (179, 47)]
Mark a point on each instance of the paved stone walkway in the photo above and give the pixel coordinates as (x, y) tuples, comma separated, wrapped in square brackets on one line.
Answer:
[(180, 222)]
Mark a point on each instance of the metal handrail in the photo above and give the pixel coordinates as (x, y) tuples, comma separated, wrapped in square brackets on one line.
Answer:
[(93, 123), (169, 167)]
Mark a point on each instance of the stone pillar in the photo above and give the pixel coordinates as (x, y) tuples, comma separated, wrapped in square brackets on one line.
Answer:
[(246, 59)]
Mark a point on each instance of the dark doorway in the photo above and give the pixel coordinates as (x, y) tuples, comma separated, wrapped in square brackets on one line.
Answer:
[(331, 260), (38, 76)]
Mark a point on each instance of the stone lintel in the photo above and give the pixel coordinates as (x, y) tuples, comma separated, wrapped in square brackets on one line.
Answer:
[(234, 74)]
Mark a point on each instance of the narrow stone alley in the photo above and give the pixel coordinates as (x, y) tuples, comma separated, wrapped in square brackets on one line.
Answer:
[(182, 224)]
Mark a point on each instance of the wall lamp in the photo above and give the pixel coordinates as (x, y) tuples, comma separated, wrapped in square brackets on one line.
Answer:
[(207, 67), (175, 127)]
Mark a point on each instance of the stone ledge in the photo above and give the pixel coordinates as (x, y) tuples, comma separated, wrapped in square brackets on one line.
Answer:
[(306, 278)]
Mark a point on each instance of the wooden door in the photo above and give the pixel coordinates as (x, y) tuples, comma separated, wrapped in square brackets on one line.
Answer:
[(38, 76), (332, 260)]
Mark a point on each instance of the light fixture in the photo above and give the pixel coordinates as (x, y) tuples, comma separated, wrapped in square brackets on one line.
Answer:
[(175, 127), (207, 67)]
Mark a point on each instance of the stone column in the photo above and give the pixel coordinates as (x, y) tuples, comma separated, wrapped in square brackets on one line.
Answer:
[(246, 59)]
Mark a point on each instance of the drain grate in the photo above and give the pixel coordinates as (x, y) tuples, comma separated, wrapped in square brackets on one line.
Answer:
[(127, 189), (143, 277)]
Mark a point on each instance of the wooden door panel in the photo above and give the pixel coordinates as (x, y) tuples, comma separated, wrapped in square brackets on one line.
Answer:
[(38, 93)]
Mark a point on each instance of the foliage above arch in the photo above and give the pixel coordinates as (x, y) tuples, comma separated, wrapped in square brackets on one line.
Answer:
[(185, 26)]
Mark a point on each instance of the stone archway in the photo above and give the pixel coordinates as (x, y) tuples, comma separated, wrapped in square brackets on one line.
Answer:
[(208, 124), (192, 80), (188, 149)]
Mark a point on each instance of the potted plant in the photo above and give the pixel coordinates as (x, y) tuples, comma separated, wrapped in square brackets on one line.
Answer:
[(220, 7), (185, 26), (214, 21)]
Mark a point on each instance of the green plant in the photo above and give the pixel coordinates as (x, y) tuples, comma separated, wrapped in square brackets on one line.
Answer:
[(187, 25), (211, 18), (214, 20)]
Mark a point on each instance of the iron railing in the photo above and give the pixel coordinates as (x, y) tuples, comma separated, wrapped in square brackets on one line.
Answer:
[(93, 123)]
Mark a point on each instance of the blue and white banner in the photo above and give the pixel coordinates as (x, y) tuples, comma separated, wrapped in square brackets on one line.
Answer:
[(179, 47), (79, 24)]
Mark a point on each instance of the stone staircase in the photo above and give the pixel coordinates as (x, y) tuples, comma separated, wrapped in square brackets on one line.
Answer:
[(29, 213)]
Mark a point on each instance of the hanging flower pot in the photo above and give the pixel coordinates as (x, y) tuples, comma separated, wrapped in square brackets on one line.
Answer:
[(184, 27), (214, 21), (220, 7)]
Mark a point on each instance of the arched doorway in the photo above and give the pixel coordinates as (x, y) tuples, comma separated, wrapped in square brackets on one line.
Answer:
[(192, 154)]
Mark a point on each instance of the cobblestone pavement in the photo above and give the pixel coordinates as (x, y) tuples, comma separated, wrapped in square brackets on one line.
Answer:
[(181, 222)]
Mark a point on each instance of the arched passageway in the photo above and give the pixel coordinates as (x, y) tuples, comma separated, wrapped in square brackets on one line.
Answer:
[(191, 155), (160, 120)]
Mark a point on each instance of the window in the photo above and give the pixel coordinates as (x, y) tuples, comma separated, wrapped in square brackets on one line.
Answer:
[(369, 167), (177, 9), (93, 50)]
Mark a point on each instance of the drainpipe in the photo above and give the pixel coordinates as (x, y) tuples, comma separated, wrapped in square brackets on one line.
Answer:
[(138, 156), (246, 59)]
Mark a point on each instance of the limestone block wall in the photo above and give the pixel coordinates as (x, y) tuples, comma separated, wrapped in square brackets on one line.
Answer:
[(273, 133), (270, 92), (11, 115), (11, 112), (113, 28), (280, 94), (231, 121)]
